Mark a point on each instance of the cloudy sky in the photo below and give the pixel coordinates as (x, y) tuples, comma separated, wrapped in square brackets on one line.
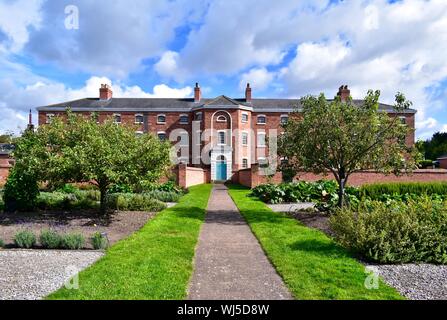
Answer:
[(284, 48)]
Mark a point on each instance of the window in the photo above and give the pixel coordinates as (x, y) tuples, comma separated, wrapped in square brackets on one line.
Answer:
[(244, 138), (161, 135), (161, 119), (221, 137), (244, 163), (284, 119), (117, 118), (261, 140), (139, 119), (263, 163), (50, 117), (184, 119), (221, 118), (403, 120), (245, 117), (262, 120), (198, 116), (139, 133)]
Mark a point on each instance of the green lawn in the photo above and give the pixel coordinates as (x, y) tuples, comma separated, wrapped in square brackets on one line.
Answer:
[(154, 263), (311, 264)]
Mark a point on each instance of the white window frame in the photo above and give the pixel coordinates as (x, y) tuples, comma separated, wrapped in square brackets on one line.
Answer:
[(162, 132), (182, 116), (224, 136), (404, 122), (219, 118), (49, 117), (265, 141), (245, 165), (117, 115), (139, 115), (283, 116), (260, 116), (161, 115), (242, 117), (244, 133)]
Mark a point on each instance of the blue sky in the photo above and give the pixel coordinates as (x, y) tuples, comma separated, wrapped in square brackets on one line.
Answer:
[(283, 48)]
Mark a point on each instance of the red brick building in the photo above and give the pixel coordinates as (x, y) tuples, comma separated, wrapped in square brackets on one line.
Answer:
[(220, 135)]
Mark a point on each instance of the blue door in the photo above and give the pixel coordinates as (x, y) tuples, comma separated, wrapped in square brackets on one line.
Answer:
[(221, 171)]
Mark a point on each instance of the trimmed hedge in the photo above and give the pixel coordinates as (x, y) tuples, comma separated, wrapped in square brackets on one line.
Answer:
[(376, 191), (394, 232), (164, 196), (133, 202), (64, 201)]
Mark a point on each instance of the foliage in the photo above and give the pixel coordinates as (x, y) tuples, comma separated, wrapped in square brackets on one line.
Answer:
[(164, 196), (21, 191), (63, 201), (160, 257), (99, 241), (133, 202), (2, 243), (120, 188), (343, 137), (425, 164), (50, 239), (67, 188), (395, 232), (434, 147), (79, 150), (312, 265), (73, 241), (169, 186), (378, 190), (2, 203), (25, 239)]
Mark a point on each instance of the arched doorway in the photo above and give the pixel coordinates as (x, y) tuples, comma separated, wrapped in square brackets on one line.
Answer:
[(221, 168)]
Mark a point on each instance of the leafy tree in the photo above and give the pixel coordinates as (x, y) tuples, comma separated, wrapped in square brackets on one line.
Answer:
[(342, 138), (434, 147), (78, 149)]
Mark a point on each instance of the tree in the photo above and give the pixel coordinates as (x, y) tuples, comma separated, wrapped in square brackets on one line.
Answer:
[(341, 137), (81, 150), (434, 147)]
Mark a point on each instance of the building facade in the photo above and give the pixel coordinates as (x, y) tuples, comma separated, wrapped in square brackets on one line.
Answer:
[(221, 135)]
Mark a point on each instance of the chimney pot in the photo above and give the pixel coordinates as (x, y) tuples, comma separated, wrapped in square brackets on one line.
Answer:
[(344, 93), (197, 93), (105, 92)]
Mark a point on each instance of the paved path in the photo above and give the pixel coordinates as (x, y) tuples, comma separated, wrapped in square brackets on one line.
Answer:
[(230, 263), (33, 274)]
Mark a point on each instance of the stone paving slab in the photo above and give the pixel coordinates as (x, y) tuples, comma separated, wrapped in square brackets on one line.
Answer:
[(291, 207), (34, 274), (230, 263)]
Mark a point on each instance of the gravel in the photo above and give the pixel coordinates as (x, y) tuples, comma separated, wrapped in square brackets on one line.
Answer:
[(33, 274), (416, 281), (291, 207)]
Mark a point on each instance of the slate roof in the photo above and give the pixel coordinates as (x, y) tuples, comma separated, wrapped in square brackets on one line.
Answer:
[(184, 104)]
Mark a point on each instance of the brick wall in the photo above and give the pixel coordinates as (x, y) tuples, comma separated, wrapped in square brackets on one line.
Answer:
[(5, 166), (191, 176)]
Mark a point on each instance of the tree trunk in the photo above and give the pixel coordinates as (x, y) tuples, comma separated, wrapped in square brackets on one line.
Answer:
[(103, 204), (341, 188)]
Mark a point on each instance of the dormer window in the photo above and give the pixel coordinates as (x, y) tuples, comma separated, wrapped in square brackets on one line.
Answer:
[(184, 119), (262, 119), (117, 118), (139, 119), (161, 119), (221, 118)]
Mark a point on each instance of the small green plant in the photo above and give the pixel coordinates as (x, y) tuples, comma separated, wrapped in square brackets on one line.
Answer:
[(164, 196), (50, 239), (99, 241), (25, 239), (134, 202), (2, 243), (73, 241), (68, 188)]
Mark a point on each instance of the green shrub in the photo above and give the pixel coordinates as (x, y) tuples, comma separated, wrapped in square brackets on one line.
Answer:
[(67, 188), (377, 190), (134, 202), (25, 239), (396, 232), (20, 192), (424, 164), (2, 203), (120, 188), (50, 239), (2, 243), (73, 241), (164, 196), (99, 241), (169, 186), (62, 201)]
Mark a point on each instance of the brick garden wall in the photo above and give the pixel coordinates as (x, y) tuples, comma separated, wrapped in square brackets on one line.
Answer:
[(4, 169), (191, 176)]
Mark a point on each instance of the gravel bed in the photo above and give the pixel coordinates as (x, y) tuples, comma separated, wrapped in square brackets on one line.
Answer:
[(33, 274), (416, 281)]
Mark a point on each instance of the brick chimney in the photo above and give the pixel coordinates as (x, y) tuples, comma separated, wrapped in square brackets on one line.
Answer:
[(248, 93), (105, 92), (30, 121), (197, 93), (344, 93)]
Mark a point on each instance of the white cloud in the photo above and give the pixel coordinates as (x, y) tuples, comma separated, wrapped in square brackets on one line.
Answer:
[(259, 79)]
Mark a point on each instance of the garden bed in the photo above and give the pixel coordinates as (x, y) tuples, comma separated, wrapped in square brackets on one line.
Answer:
[(117, 225), (315, 220)]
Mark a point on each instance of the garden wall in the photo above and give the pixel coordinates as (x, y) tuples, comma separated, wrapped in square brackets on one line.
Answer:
[(5, 166), (191, 176)]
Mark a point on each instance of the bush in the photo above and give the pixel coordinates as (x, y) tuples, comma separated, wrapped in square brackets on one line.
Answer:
[(395, 232), (50, 239), (376, 191), (25, 239), (424, 164), (73, 241), (99, 241), (21, 191), (2, 203), (164, 196), (134, 202), (62, 201), (120, 188), (67, 188), (169, 186)]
